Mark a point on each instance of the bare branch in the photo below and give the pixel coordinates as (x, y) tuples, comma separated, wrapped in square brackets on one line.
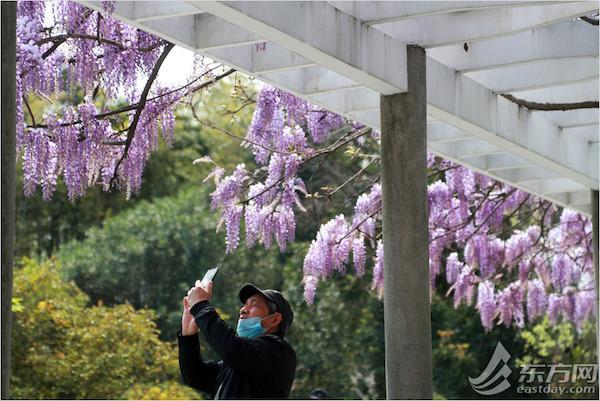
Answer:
[(231, 134), (141, 105), (29, 109), (134, 106), (551, 106), (201, 86), (60, 39), (359, 172)]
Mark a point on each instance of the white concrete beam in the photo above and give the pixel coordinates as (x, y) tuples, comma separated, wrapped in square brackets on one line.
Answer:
[(578, 92), (594, 166), (478, 111), (554, 185), (254, 60), (572, 118), (325, 35), (458, 28), (381, 12), (465, 148), (438, 132), (577, 198), (590, 133), (496, 163), (548, 73), (216, 33), (371, 118), (348, 101), (562, 40), (141, 11), (311, 80), (525, 175), (182, 31)]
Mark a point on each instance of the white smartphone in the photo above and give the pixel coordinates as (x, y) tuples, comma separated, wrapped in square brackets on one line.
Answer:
[(209, 275)]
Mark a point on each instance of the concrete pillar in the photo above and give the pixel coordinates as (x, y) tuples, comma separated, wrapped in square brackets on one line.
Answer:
[(8, 12), (405, 241)]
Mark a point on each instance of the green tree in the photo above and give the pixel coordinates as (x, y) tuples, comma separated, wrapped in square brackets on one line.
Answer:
[(152, 254), (65, 349)]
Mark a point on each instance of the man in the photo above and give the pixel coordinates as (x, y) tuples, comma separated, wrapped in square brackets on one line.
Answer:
[(256, 361)]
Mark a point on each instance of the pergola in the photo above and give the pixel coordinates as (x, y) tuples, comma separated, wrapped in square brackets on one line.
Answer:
[(506, 88)]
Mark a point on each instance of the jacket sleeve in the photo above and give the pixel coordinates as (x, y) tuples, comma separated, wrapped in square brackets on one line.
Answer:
[(257, 356), (195, 372)]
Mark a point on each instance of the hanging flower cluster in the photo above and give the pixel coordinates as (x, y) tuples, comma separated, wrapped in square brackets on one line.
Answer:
[(76, 51), (512, 256)]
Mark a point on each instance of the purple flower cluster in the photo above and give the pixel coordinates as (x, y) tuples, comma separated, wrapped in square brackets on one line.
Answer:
[(330, 250), (486, 304), (536, 265), (278, 139), (99, 53)]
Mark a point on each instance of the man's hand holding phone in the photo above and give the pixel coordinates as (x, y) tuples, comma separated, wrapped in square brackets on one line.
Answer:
[(202, 291), (199, 293)]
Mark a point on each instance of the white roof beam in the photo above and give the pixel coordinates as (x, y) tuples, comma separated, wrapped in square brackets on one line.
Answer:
[(371, 118), (182, 35), (469, 147), (357, 99), (524, 175), (590, 133), (443, 133), (216, 33), (457, 28), (255, 61), (572, 118), (595, 163), (325, 35), (579, 92), (562, 40), (381, 12), (544, 74), (576, 198), (141, 11), (179, 30), (499, 162), (471, 107), (311, 80), (554, 185)]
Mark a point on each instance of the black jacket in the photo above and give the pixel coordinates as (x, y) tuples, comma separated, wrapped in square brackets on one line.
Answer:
[(262, 367)]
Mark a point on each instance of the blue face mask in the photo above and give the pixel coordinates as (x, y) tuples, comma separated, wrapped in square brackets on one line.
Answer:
[(251, 327)]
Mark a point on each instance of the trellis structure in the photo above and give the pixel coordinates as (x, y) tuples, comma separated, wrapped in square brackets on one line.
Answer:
[(479, 83)]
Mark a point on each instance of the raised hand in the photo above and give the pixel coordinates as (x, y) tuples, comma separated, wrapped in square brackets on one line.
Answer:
[(188, 324), (200, 293)]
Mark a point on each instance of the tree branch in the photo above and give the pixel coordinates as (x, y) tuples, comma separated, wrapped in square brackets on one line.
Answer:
[(60, 39), (201, 86), (134, 106), (141, 105), (29, 109), (231, 134), (551, 106), (352, 178)]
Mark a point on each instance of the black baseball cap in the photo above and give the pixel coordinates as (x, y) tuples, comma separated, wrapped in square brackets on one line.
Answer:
[(274, 296)]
